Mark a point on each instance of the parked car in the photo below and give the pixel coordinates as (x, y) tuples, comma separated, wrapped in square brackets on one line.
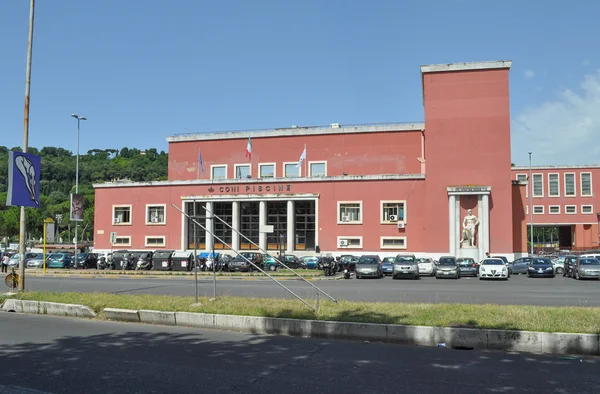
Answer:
[(467, 266), (493, 268), (447, 267), (240, 262), (506, 263), (60, 260), (292, 261), (387, 265), (14, 259), (586, 267), (520, 266), (540, 267), (270, 263), (406, 265), (427, 267), (86, 260), (369, 266), (36, 262)]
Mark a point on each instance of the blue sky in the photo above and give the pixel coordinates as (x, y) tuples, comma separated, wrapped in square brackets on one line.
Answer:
[(144, 70)]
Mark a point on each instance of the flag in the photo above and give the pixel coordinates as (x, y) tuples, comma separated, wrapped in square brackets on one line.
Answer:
[(200, 162), (249, 149), (302, 158)]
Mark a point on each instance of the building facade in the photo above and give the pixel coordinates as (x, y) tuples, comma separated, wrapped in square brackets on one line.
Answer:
[(441, 187)]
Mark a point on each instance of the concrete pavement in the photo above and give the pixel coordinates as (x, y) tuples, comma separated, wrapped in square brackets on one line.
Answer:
[(63, 355), (519, 290)]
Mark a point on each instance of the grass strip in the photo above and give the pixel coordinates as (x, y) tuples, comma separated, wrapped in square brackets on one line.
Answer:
[(506, 317)]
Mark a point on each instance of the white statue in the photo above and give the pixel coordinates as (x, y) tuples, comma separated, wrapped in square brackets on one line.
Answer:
[(470, 223)]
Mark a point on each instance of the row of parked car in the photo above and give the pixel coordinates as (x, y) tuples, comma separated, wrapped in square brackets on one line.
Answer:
[(54, 260)]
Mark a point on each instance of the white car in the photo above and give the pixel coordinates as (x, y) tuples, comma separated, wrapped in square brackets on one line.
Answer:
[(493, 269), (426, 267)]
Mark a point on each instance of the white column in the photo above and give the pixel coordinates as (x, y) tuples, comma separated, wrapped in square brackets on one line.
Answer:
[(208, 224), (480, 228), (235, 213), (291, 226), (485, 199), (457, 227), (262, 220), (452, 222)]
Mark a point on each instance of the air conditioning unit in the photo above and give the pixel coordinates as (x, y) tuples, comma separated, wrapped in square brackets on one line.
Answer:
[(117, 220), (346, 218), (393, 218), (154, 219), (401, 224), (343, 242)]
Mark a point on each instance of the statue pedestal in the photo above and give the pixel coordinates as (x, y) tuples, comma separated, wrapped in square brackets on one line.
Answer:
[(469, 251)]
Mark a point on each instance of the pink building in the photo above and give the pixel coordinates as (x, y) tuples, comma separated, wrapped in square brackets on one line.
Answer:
[(381, 188)]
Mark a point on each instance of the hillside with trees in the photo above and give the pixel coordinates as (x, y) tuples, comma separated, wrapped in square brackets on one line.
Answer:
[(57, 181)]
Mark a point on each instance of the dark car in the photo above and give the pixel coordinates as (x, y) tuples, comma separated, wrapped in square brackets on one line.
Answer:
[(387, 265), (291, 261), (407, 266), (540, 267), (467, 266), (86, 260), (520, 266), (240, 262), (369, 266), (447, 267)]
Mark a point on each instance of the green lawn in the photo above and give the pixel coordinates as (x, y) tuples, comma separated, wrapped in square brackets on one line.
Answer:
[(510, 317)]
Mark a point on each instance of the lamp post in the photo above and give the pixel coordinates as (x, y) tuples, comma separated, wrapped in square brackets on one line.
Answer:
[(79, 119), (530, 207)]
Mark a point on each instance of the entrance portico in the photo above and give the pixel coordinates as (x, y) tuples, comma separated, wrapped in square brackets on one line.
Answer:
[(482, 230)]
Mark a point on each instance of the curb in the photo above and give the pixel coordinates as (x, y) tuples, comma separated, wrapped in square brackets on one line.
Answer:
[(47, 308)]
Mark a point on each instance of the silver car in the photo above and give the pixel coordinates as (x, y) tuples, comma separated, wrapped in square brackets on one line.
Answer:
[(586, 267), (406, 266), (447, 268), (426, 267), (37, 262)]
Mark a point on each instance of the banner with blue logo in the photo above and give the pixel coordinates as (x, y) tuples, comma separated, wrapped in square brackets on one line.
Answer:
[(23, 179)]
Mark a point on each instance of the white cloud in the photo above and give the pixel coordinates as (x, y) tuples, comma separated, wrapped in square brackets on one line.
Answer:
[(529, 74), (586, 63), (565, 130)]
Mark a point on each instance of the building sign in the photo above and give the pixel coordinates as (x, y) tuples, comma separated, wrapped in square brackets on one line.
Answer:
[(250, 189), (469, 189)]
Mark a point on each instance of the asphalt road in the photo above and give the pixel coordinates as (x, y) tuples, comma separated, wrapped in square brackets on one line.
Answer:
[(519, 290), (62, 355)]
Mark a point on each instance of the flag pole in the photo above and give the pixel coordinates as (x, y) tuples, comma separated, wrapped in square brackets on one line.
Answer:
[(305, 162), (198, 164)]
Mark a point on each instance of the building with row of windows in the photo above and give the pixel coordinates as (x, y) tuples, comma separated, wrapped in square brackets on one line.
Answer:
[(444, 186)]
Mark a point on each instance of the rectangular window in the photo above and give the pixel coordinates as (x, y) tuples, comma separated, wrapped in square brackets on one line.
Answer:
[(393, 211), (291, 170), (242, 171), (586, 184), (570, 185), (266, 170), (553, 185), (587, 209), (349, 212), (121, 214), (123, 241), (393, 242), (349, 242), (155, 214), (218, 171), (538, 185), (554, 209), (571, 209), (523, 178), (317, 168), (538, 209), (195, 235), (155, 241)]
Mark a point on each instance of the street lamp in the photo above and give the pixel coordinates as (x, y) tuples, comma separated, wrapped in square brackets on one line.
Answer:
[(79, 119), (530, 207)]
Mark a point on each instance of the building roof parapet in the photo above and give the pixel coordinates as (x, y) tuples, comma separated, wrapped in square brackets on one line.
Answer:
[(334, 128), (338, 178), (556, 167), (466, 66), (468, 190)]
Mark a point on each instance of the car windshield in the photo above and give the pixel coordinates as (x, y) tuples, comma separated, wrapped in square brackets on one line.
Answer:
[(388, 260), (405, 259), (421, 261), (541, 262), (367, 260), (447, 261), (589, 262), (493, 262)]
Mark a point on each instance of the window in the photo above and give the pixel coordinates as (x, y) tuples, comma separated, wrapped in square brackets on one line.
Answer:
[(155, 241), (587, 209), (121, 214), (155, 214), (317, 168), (554, 209), (242, 171), (586, 183), (393, 242), (523, 178), (570, 185), (350, 212), (571, 209), (218, 171), (349, 242), (553, 185), (266, 170), (123, 241), (393, 208), (291, 170), (538, 185), (538, 209)]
